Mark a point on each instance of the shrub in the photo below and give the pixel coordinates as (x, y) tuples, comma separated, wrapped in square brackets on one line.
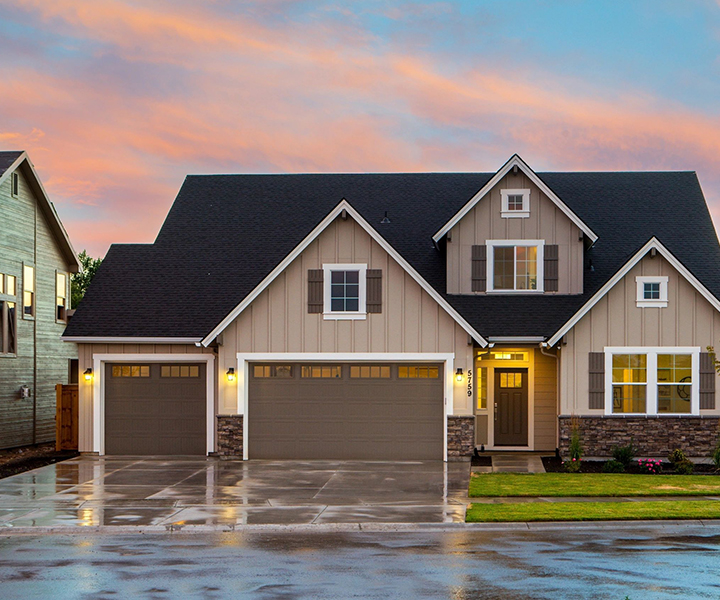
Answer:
[(624, 454), (572, 465), (650, 466), (575, 450), (684, 467), (677, 456), (716, 455), (613, 466)]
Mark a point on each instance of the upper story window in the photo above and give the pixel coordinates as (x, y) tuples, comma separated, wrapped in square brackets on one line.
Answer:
[(515, 265), (515, 203), (14, 185), (652, 291), (8, 314), (345, 291), (61, 294), (28, 291)]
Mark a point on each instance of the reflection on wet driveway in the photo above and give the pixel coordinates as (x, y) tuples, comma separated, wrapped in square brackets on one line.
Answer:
[(94, 491)]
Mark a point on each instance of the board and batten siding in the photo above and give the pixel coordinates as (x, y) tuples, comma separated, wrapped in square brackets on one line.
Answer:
[(86, 352), (546, 401), (688, 320), (42, 359), (278, 319), (485, 222)]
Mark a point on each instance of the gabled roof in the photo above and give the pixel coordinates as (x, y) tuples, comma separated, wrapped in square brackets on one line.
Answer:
[(12, 160), (226, 233), (515, 162)]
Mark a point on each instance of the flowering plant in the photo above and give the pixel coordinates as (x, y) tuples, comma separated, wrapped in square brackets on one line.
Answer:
[(572, 465), (649, 466)]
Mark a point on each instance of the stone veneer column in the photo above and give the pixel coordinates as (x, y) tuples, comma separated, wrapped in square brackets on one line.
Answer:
[(460, 437), (229, 435)]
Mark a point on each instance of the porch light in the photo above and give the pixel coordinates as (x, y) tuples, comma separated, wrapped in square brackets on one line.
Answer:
[(230, 374), (459, 375), (88, 373)]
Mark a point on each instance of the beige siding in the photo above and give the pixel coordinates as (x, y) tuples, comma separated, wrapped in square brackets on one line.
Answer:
[(688, 320), (86, 352), (546, 222), (42, 359), (278, 320), (545, 402)]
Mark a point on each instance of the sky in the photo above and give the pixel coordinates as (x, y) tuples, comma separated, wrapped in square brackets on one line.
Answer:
[(116, 101)]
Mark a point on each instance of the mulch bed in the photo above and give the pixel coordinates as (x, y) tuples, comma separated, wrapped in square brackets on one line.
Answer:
[(19, 460), (481, 461), (553, 464)]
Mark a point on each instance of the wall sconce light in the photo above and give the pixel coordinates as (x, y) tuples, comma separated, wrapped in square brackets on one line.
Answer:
[(88, 374), (230, 374), (459, 375)]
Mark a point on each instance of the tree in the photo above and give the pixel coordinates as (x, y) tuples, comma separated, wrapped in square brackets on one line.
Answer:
[(79, 282)]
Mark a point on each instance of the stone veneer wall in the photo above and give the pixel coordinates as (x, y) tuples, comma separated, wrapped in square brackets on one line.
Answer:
[(652, 436), (229, 435), (460, 437)]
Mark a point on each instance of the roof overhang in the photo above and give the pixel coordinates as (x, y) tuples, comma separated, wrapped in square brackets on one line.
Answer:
[(344, 205), (79, 339), (46, 206), (515, 161), (653, 243)]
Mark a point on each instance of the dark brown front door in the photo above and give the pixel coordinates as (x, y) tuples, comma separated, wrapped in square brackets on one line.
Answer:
[(511, 407)]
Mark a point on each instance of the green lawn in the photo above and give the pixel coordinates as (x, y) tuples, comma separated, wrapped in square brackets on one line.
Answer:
[(591, 484), (593, 511)]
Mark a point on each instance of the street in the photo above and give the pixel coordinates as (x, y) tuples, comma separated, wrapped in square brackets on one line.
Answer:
[(576, 562)]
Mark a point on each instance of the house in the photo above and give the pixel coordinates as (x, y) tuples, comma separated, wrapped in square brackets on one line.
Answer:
[(36, 260), (408, 316)]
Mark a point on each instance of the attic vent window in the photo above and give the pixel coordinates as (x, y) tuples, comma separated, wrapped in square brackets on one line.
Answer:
[(14, 185), (515, 203), (652, 292)]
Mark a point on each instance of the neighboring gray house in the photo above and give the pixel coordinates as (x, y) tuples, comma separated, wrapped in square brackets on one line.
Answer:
[(408, 316), (36, 260)]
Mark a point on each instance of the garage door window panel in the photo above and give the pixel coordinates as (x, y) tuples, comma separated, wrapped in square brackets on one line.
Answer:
[(418, 372), (275, 371), (370, 372), (321, 372), (131, 371), (179, 371)]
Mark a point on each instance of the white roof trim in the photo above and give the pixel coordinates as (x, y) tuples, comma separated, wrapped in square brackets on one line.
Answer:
[(515, 161), (47, 205), (509, 339), (129, 340), (653, 243), (343, 205)]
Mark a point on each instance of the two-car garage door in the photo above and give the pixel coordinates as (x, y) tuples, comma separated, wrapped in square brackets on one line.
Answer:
[(345, 411)]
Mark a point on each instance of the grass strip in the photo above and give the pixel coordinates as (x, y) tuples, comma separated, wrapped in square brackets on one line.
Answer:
[(591, 484), (593, 511)]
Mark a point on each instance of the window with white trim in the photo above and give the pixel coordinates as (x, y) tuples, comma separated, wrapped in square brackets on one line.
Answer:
[(652, 381), (515, 203), (345, 291), (652, 291), (8, 314), (515, 265)]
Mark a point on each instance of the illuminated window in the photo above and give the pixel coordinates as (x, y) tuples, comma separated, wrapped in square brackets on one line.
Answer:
[(279, 371), (520, 356), (28, 291), (629, 379), (61, 296), (418, 372), (674, 377), (482, 388), (511, 380), (131, 371), (321, 372), (370, 372)]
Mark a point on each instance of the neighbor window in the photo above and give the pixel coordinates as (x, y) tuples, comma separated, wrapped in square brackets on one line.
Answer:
[(652, 292), (28, 291), (8, 323), (652, 380), (61, 296), (345, 288), (515, 266), (14, 185), (515, 203)]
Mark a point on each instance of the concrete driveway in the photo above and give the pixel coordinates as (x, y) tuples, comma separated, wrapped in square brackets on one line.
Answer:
[(187, 491)]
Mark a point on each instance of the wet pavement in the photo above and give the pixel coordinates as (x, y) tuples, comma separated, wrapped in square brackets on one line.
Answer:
[(655, 563), (182, 492)]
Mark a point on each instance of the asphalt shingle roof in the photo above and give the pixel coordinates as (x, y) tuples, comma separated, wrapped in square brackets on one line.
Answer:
[(225, 233), (7, 158)]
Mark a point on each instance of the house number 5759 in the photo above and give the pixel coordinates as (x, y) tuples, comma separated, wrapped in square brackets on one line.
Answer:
[(469, 380)]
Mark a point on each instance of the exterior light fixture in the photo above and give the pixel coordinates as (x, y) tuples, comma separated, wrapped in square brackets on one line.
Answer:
[(459, 375), (230, 374), (88, 373)]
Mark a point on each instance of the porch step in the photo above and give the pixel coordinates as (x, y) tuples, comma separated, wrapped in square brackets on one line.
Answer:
[(513, 463)]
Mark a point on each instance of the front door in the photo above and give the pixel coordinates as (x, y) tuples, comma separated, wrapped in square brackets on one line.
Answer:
[(511, 407)]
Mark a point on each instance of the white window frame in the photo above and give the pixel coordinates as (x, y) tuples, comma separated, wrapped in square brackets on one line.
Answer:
[(490, 265), (642, 302), (510, 214), (361, 313), (14, 184), (652, 384)]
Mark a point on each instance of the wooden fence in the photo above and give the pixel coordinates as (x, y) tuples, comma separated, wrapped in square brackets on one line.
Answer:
[(66, 417)]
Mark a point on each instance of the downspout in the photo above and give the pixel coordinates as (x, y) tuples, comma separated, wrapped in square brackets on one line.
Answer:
[(34, 323), (556, 356)]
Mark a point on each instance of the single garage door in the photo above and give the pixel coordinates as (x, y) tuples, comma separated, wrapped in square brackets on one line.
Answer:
[(155, 408), (346, 411)]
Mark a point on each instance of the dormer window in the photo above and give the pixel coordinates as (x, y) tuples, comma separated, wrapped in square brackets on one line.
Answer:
[(515, 203), (652, 292), (515, 265)]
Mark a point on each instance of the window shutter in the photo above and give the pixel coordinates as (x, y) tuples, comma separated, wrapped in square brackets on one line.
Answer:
[(373, 292), (707, 381), (551, 268), (315, 291), (479, 270), (597, 379)]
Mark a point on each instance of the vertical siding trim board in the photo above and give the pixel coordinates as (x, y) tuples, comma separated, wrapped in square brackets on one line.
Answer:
[(479, 268), (373, 300), (707, 381), (98, 384), (316, 291), (596, 369), (551, 268)]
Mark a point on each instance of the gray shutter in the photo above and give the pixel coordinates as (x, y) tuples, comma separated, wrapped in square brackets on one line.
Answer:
[(373, 292), (551, 268), (707, 380), (316, 291), (479, 270), (596, 369)]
